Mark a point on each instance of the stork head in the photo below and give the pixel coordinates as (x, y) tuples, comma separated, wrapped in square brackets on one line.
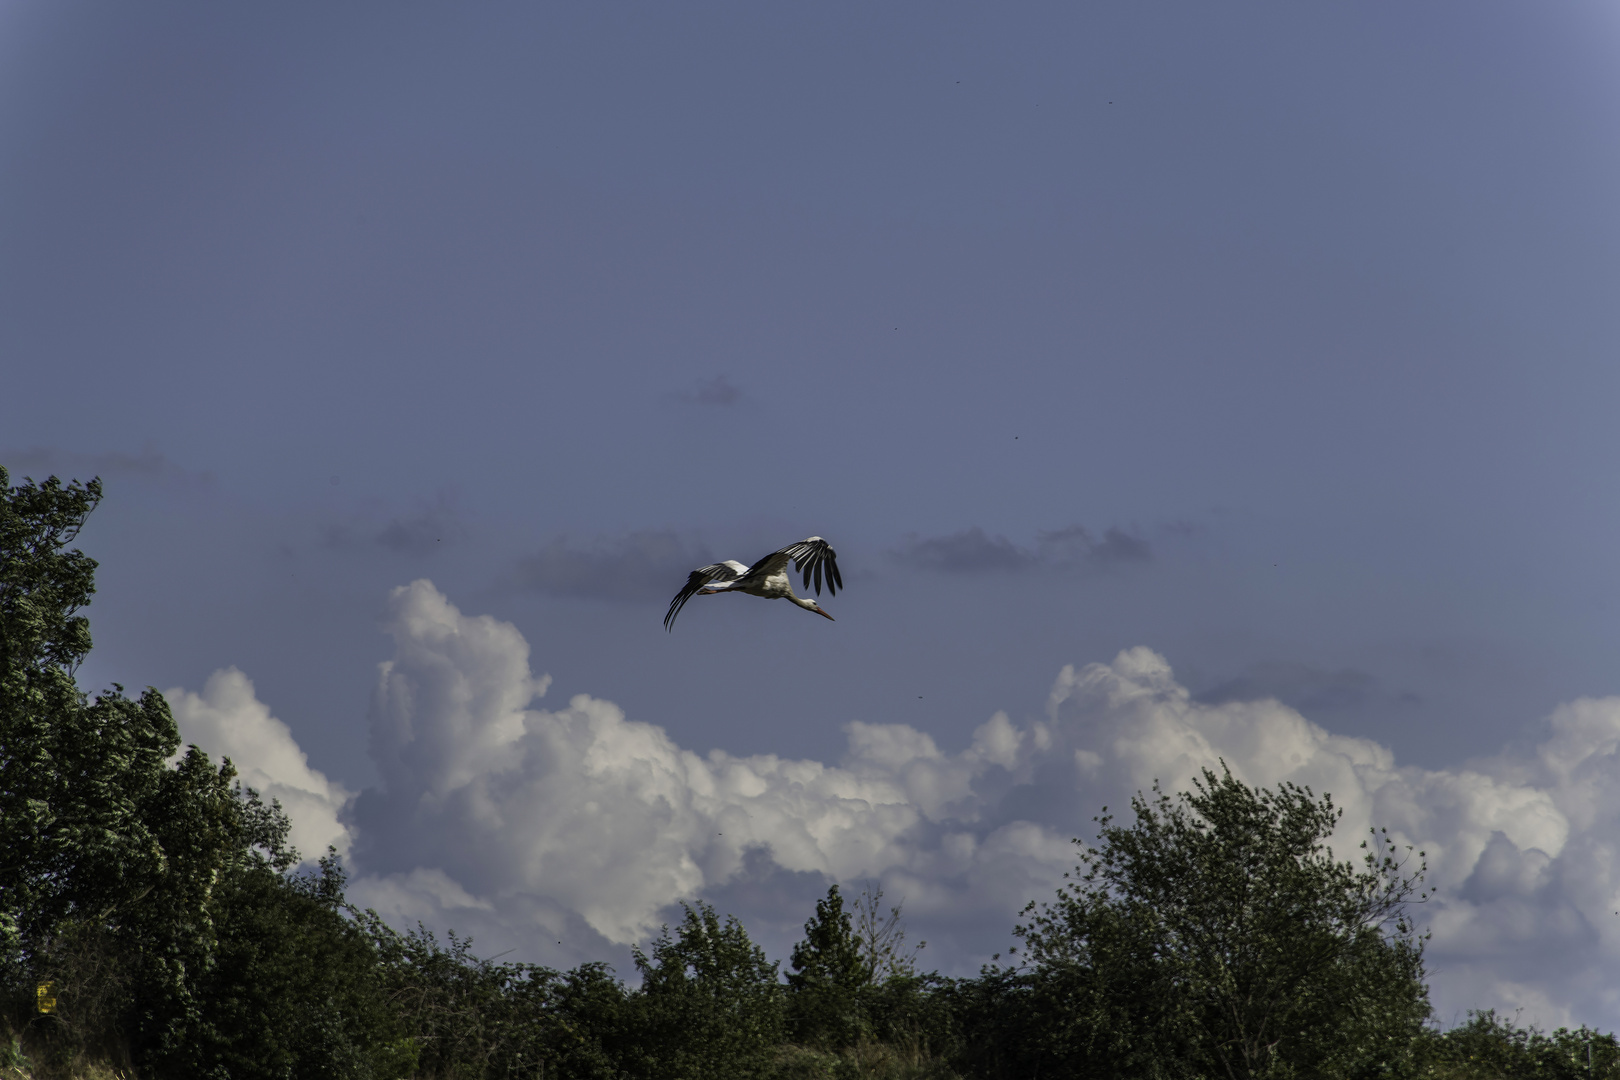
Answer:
[(811, 605)]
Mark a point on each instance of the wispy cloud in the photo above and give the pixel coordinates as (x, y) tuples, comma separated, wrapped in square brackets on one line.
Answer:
[(719, 390), (42, 461), (640, 565), (421, 532), (973, 551), (1310, 690), (433, 526)]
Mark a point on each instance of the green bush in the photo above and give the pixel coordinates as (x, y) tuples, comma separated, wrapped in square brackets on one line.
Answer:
[(1489, 1048), (1215, 936), (710, 1004)]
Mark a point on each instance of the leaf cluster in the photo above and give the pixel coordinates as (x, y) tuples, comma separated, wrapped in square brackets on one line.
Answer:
[(710, 1003), (1487, 1047), (1218, 936)]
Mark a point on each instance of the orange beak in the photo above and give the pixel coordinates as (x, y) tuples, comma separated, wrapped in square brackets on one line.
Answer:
[(818, 611)]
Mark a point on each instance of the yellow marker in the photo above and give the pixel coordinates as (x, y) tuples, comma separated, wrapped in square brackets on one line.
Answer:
[(47, 999)]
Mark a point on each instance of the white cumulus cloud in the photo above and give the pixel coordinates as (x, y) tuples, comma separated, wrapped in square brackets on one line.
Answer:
[(568, 832), (228, 720)]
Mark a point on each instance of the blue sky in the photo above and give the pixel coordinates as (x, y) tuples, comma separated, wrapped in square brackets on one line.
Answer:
[(1278, 340)]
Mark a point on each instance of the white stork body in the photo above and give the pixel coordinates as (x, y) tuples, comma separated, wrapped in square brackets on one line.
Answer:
[(767, 578)]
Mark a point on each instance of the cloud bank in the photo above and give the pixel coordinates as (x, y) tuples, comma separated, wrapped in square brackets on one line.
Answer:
[(973, 551), (571, 831), (42, 461), (642, 565)]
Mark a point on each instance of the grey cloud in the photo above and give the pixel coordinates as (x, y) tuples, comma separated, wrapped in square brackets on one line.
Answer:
[(1181, 527), (42, 461), (1505, 871), (1075, 545), (1120, 547), (641, 565), (973, 551), (430, 529), (1307, 689), (719, 390), (421, 532), (340, 537), (970, 551)]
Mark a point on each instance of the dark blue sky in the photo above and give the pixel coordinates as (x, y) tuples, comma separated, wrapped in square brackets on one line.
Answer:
[(1280, 339)]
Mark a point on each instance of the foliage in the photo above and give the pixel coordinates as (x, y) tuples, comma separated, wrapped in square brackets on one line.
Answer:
[(854, 1007), (153, 896), (1218, 936), (710, 1003), (864, 1060), (76, 777), (829, 973), (106, 852), (882, 937), (291, 989), (1488, 1048), (464, 1016)]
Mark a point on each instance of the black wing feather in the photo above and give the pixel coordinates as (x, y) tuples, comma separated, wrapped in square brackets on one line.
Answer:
[(698, 578), (809, 556)]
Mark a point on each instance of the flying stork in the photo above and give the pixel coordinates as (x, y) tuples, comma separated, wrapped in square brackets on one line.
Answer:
[(768, 577)]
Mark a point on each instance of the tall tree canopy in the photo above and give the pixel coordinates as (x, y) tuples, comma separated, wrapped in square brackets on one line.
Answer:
[(152, 893), (710, 1003), (75, 775), (1219, 936)]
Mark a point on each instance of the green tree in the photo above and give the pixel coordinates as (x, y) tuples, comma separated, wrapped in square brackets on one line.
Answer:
[(75, 775), (87, 866), (1489, 1048), (1218, 936), (468, 1017), (155, 897), (882, 937), (854, 1006), (709, 1005), (590, 1021), (829, 973), (290, 987)]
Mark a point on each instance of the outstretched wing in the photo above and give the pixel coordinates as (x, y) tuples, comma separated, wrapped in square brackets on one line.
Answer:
[(703, 575), (815, 556)]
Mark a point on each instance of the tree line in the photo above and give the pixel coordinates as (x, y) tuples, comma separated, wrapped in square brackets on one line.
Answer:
[(155, 922)]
